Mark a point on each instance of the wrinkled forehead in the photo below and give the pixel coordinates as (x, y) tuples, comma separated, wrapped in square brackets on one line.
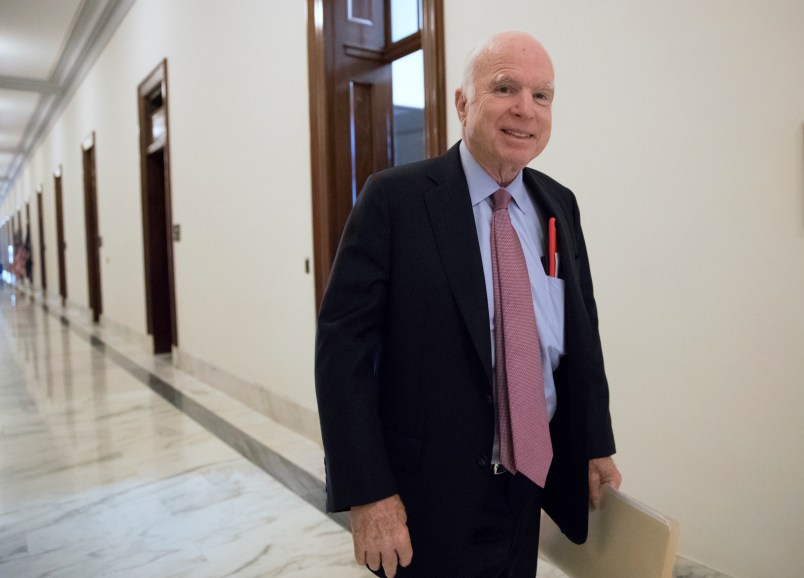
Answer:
[(529, 64)]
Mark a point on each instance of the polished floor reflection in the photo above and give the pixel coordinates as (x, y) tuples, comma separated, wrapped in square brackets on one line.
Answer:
[(100, 476), (114, 463)]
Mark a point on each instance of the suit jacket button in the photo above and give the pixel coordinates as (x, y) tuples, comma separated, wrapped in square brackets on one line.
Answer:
[(483, 461), (489, 400)]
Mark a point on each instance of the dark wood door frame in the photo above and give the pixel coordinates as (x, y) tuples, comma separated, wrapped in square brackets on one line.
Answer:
[(18, 231), (27, 240), (93, 238), (61, 246), (157, 220), (41, 219), (4, 241), (321, 48)]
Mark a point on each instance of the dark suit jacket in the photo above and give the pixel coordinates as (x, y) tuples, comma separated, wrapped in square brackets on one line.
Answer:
[(403, 357)]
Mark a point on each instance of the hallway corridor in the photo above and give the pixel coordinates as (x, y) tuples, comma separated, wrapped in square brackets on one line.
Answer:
[(100, 476)]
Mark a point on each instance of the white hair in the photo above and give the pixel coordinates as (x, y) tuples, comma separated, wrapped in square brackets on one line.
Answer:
[(470, 69), (479, 52)]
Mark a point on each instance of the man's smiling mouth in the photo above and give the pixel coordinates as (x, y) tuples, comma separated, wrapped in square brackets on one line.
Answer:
[(523, 135)]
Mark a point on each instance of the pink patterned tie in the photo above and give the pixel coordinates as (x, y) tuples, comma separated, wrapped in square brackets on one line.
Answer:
[(521, 409)]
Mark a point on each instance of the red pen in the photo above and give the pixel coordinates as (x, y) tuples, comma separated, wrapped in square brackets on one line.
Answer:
[(551, 247)]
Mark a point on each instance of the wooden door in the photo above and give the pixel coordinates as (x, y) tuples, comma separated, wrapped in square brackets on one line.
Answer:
[(5, 238), (157, 223), (18, 231), (41, 218), (362, 102), (27, 241), (351, 105), (61, 246), (93, 238)]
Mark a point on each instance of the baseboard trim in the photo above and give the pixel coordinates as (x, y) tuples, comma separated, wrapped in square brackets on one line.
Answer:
[(262, 399)]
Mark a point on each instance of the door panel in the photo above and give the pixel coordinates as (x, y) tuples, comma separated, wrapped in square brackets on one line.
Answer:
[(152, 94), (369, 119), (351, 105), (92, 236), (42, 268), (362, 103), (61, 246)]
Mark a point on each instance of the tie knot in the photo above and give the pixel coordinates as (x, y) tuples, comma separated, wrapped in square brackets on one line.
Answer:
[(501, 198)]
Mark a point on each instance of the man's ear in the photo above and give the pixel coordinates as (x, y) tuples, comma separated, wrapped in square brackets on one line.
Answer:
[(460, 104)]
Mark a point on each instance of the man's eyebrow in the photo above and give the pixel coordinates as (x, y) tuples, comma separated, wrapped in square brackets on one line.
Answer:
[(505, 79)]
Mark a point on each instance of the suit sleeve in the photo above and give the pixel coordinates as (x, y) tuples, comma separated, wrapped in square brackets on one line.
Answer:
[(348, 342), (601, 436)]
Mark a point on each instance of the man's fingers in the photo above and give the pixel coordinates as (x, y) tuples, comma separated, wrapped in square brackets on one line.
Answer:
[(602, 472), (388, 559), (594, 495), (389, 563), (379, 532), (405, 553), (594, 488), (374, 560)]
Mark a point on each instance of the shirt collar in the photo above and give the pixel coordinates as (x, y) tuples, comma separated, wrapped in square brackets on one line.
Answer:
[(482, 186)]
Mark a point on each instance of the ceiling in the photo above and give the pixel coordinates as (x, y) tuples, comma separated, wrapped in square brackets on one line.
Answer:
[(46, 48)]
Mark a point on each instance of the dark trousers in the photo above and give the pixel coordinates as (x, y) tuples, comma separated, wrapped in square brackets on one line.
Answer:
[(505, 540)]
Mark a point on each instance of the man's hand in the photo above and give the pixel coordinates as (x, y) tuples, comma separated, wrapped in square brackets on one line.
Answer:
[(380, 535), (602, 471)]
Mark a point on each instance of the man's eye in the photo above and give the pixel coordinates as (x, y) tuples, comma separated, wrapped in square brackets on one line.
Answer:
[(505, 89)]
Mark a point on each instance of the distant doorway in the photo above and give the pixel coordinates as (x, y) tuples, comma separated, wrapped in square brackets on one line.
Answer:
[(61, 246), (39, 210), (94, 241), (28, 246), (157, 222)]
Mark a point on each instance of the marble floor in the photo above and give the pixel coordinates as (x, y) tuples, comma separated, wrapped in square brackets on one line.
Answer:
[(101, 476), (109, 467), (115, 463)]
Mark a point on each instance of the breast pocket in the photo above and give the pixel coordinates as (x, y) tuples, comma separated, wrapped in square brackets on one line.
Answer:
[(553, 334)]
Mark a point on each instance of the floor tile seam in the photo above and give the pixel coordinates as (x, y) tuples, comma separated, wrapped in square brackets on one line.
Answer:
[(256, 422), (157, 366), (121, 340), (212, 395), (304, 484), (6, 347)]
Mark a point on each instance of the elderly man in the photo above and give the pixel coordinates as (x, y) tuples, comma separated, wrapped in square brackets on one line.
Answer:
[(459, 371)]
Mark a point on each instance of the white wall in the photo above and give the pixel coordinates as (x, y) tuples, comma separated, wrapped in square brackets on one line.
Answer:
[(678, 125), (680, 128), (239, 123)]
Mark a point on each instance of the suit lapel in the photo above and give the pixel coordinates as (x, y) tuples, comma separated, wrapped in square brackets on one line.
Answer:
[(546, 204), (573, 300), (452, 220)]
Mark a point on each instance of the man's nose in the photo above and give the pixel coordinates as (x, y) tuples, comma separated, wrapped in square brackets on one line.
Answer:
[(524, 106)]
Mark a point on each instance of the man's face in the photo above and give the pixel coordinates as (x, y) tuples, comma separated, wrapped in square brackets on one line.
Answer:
[(508, 121)]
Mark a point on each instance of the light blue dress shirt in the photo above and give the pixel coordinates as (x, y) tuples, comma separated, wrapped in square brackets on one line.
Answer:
[(548, 292)]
